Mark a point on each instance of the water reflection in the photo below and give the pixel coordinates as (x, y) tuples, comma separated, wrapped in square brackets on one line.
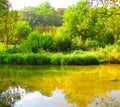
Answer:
[(17, 97), (11, 95), (79, 83), (111, 100)]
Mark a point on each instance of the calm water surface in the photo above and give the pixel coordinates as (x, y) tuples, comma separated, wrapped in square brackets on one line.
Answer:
[(60, 86)]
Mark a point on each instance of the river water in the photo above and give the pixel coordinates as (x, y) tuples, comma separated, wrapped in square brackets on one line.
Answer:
[(57, 86)]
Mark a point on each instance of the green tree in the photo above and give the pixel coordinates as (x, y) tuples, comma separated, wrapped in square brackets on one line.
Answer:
[(36, 42), (22, 30), (89, 23), (80, 20), (62, 41), (42, 15), (114, 21), (7, 29), (7, 21)]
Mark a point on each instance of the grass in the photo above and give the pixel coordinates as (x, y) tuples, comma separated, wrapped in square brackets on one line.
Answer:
[(47, 59)]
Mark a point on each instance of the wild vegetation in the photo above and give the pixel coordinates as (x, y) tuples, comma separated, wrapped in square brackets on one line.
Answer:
[(78, 35)]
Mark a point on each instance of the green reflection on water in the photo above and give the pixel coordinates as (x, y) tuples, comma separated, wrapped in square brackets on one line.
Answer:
[(79, 83)]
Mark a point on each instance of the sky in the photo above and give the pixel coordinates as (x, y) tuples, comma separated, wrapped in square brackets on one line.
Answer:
[(20, 4)]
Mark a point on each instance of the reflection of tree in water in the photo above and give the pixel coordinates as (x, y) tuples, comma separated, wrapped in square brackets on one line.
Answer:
[(18, 97), (112, 100), (11, 95)]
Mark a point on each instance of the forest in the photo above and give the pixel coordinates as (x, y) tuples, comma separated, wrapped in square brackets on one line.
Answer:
[(81, 34)]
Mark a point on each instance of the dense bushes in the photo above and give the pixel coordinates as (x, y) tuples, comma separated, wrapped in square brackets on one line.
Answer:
[(48, 58), (109, 54)]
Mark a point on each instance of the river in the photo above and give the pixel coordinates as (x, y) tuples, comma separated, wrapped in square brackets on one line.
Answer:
[(59, 86)]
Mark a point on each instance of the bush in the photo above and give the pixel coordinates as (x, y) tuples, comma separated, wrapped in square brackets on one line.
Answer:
[(109, 38), (109, 54), (62, 41), (76, 43), (91, 44), (47, 41), (32, 44)]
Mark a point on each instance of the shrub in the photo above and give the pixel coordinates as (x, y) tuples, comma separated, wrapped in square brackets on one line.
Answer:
[(109, 38), (76, 43), (47, 41), (91, 44), (62, 41)]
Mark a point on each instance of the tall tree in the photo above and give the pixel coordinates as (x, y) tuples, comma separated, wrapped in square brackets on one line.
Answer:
[(7, 21), (42, 15)]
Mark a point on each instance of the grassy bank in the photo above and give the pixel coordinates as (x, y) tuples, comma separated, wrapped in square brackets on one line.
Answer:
[(48, 59), (109, 54)]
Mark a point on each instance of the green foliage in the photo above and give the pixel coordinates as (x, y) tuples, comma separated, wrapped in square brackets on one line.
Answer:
[(22, 30), (109, 54), (91, 44), (7, 26), (36, 41), (95, 26), (80, 20), (107, 38), (56, 59), (62, 41), (38, 59), (80, 59), (76, 43), (42, 15), (117, 42), (47, 41), (4, 7), (12, 50), (32, 44), (3, 58), (47, 58)]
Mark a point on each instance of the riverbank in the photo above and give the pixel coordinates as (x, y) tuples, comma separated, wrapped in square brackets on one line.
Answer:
[(47, 58)]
